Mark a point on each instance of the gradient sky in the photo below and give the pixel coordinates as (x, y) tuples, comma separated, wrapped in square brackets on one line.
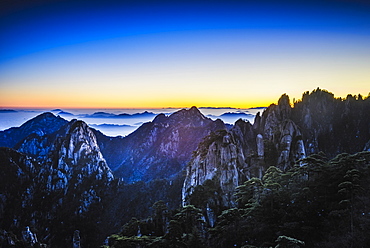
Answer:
[(153, 54)]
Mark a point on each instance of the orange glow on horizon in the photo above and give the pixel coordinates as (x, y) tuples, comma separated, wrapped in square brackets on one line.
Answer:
[(51, 102)]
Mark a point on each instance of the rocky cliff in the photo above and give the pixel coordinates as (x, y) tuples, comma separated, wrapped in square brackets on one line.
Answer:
[(59, 193), (219, 159), (280, 137)]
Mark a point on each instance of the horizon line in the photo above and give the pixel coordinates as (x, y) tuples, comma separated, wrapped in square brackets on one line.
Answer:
[(138, 108)]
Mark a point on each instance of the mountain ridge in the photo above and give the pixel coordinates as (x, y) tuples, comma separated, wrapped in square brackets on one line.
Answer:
[(57, 194), (44, 123), (160, 148), (281, 137)]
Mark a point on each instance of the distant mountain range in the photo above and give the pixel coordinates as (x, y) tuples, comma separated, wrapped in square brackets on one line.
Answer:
[(233, 115), (110, 115), (7, 111)]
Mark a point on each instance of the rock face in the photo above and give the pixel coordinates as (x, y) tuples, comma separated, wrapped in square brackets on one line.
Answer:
[(77, 154), (61, 187), (158, 149), (76, 239), (29, 237), (280, 137), (218, 159), (246, 151)]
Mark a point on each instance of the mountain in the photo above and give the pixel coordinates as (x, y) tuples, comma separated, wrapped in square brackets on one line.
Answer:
[(74, 175), (54, 196), (64, 182), (157, 149), (45, 123), (280, 137), (124, 115), (333, 125), (231, 114), (7, 111)]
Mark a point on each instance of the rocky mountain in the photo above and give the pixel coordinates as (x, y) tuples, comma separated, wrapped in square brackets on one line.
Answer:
[(61, 181), (45, 123), (54, 196), (280, 137), (157, 149), (75, 179), (332, 125)]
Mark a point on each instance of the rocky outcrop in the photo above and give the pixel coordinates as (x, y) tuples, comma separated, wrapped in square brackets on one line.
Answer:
[(280, 137), (64, 190), (70, 155), (245, 151), (76, 239), (217, 159), (29, 237), (77, 154)]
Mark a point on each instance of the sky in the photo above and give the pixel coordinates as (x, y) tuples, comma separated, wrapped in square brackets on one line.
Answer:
[(158, 54)]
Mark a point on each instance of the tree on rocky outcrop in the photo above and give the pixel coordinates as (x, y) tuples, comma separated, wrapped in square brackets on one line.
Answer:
[(249, 192), (160, 218)]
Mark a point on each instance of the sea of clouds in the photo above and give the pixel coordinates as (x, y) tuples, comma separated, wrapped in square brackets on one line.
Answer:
[(120, 122)]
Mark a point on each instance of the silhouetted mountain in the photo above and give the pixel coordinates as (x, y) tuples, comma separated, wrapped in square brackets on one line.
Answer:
[(7, 111), (240, 115), (124, 115), (64, 113), (216, 108), (109, 125)]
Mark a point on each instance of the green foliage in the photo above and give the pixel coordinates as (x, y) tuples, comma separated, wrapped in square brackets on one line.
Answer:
[(318, 204), (185, 229), (204, 194), (160, 218), (249, 192), (131, 228), (318, 201), (119, 241)]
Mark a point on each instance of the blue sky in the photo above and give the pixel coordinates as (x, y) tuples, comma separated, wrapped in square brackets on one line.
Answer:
[(171, 53)]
